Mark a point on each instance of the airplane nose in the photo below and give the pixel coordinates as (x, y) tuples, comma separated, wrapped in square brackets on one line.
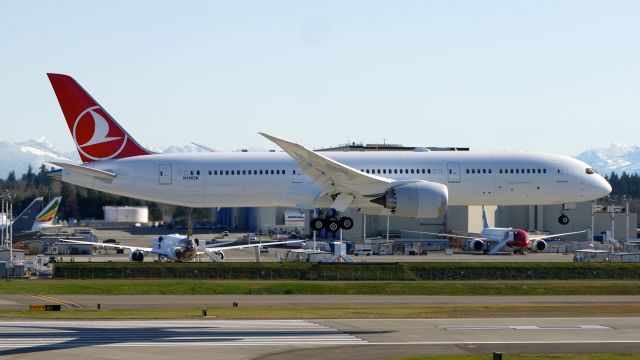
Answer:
[(604, 188)]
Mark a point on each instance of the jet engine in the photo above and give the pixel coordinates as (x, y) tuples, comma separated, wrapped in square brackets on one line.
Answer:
[(539, 245), (137, 255), (415, 199), (477, 245)]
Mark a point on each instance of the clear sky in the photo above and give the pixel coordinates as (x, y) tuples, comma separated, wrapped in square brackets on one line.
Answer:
[(554, 76)]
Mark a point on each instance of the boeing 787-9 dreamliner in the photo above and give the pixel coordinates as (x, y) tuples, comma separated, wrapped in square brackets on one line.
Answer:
[(407, 184)]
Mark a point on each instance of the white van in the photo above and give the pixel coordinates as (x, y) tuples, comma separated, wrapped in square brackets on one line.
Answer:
[(364, 252)]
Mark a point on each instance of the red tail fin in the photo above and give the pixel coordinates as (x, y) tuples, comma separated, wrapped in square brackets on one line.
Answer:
[(96, 134)]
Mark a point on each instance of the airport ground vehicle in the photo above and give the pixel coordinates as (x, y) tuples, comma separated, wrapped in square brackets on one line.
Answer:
[(363, 252)]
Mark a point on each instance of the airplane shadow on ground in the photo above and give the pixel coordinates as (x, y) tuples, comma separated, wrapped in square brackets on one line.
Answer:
[(97, 336)]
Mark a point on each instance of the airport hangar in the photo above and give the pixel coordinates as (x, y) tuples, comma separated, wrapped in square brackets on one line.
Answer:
[(458, 219)]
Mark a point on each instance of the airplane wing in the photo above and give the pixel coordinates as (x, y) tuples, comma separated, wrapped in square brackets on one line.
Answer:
[(205, 147), (85, 170), (445, 234), (334, 177), (224, 248), (108, 245), (557, 235)]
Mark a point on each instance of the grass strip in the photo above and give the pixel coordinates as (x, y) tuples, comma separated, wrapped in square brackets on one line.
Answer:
[(239, 287), (345, 312)]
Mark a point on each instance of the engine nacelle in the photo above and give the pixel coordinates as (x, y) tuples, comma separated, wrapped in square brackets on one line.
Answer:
[(477, 245), (415, 199), (538, 245), (137, 256)]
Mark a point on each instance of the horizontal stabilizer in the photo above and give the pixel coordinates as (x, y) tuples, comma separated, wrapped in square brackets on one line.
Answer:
[(85, 170)]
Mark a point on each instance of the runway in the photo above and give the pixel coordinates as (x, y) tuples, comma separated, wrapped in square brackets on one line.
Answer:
[(21, 302), (315, 339)]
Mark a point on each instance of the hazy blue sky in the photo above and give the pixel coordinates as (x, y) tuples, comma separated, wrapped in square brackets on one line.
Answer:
[(554, 76)]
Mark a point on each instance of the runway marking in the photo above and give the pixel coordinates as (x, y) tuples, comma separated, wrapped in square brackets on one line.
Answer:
[(64, 303), (64, 334), (524, 327)]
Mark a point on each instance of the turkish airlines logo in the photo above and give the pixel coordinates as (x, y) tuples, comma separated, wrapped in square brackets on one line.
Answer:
[(95, 137)]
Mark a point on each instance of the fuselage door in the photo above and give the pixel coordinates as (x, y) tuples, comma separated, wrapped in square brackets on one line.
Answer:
[(453, 169), (164, 174)]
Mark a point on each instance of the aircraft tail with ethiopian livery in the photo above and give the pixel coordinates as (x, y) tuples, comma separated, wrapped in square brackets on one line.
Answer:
[(44, 219)]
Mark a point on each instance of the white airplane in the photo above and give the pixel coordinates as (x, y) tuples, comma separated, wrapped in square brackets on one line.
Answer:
[(494, 239), (177, 247), (407, 184)]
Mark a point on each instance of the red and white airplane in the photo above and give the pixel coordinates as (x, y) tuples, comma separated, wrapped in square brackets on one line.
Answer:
[(494, 239), (408, 184)]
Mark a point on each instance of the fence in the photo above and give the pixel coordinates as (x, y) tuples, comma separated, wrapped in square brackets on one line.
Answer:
[(354, 272)]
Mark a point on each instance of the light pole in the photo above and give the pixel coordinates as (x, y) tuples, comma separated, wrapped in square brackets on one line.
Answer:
[(7, 230), (626, 210)]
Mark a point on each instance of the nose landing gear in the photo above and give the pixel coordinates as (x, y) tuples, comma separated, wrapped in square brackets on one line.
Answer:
[(563, 219)]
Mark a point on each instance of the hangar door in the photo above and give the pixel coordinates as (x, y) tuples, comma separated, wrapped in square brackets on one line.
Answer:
[(453, 170), (164, 174)]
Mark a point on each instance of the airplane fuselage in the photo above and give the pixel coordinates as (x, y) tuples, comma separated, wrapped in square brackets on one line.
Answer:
[(275, 179)]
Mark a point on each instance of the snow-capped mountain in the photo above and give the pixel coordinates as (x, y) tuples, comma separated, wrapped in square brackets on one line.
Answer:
[(617, 158), (18, 156)]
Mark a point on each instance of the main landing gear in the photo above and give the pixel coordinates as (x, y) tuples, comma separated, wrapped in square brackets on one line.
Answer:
[(331, 224)]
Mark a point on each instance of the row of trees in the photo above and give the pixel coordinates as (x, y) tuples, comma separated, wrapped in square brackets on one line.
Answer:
[(81, 203), (625, 184)]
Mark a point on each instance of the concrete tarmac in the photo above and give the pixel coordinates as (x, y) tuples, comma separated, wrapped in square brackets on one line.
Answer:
[(314, 339), (21, 302)]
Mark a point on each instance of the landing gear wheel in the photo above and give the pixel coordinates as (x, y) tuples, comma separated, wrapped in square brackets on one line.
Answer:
[(331, 225), (317, 224), (563, 219), (346, 223)]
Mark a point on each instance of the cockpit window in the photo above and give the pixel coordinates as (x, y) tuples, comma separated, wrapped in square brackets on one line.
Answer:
[(590, 171)]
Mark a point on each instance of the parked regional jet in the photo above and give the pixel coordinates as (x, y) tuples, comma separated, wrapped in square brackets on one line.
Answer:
[(408, 184), (494, 239), (178, 248)]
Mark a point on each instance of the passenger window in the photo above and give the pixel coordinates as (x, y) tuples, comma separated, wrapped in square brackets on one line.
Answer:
[(255, 172), (244, 172), (517, 171), (412, 171), (544, 171), (272, 172), (429, 171), (484, 171), (232, 172), (423, 171), (384, 171), (489, 171)]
